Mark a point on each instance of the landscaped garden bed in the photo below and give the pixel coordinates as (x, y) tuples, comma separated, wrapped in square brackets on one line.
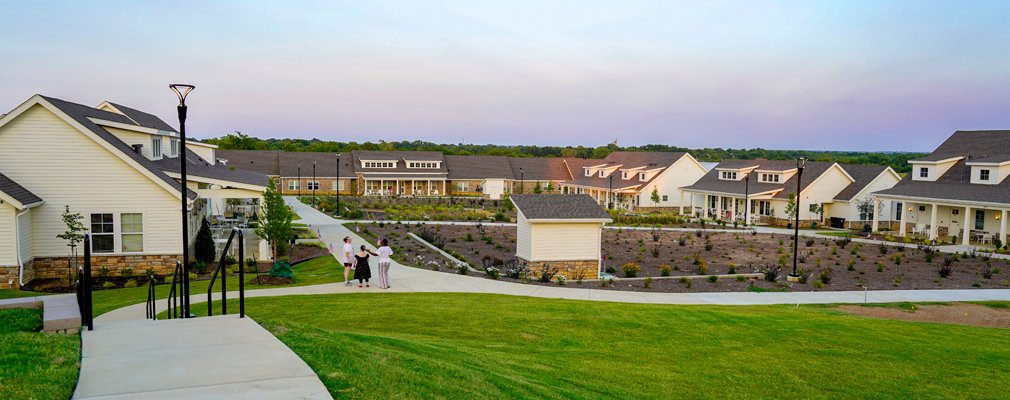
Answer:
[(394, 208), (666, 256)]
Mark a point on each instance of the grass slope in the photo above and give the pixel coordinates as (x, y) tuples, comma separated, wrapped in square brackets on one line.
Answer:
[(35, 365), (447, 346)]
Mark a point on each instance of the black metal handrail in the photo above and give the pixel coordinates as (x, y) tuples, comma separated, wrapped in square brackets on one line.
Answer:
[(151, 313), (175, 294), (224, 280), (84, 287)]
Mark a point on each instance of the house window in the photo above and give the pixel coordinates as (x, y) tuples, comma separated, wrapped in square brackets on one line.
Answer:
[(103, 231), (664, 197), (774, 178), (380, 165), (712, 201), (339, 184), (312, 185), (729, 175), (642, 176), (588, 172), (762, 207), (174, 147), (433, 186), (601, 173), (462, 187), (955, 211), (372, 185), (292, 185), (624, 175), (132, 232), (924, 172), (156, 148), (813, 208), (922, 208), (980, 219), (897, 215), (983, 175)]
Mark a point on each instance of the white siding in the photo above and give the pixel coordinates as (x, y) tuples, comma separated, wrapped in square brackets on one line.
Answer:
[(64, 167), (566, 241), (885, 180), (823, 190), (131, 138), (684, 172), (207, 153), (25, 239), (524, 236), (8, 257)]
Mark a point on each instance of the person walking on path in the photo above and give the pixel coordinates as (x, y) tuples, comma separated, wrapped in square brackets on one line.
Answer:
[(348, 265), (361, 269), (384, 252)]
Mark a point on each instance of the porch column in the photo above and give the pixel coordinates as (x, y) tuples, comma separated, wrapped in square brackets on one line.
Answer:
[(874, 210), (681, 202), (693, 196), (704, 207), (904, 218), (932, 224), (749, 211), (1002, 226), (967, 212)]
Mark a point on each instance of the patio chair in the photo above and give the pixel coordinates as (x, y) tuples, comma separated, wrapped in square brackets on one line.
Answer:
[(985, 238), (920, 229)]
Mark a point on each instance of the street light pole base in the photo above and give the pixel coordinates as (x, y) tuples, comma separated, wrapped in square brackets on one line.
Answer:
[(792, 277)]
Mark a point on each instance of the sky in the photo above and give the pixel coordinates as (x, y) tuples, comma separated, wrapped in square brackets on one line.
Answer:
[(843, 75)]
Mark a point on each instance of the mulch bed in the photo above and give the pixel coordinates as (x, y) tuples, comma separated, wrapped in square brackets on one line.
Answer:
[(299, 253), (749, 253)]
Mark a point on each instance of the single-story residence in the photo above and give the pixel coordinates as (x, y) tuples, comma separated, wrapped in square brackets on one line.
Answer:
[(116, 166), (961, 187), (828, 191), (564, 231), (626, 180)]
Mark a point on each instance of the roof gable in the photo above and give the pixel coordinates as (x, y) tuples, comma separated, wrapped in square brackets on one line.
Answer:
[(559, 207), (16, 194)]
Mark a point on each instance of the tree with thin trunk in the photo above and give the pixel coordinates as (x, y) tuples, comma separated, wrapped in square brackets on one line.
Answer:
[(655, 196), (73, 236), (275, 219)]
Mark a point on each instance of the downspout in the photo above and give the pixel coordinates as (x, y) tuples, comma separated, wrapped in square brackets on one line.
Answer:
[(17, 242)]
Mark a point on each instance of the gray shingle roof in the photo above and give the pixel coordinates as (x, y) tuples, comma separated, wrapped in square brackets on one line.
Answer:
[(710, 182), (18, 192), (955, 184), (627, 160), (326, 164), (80, 113), (863, 174), (558, 206), (262, 161), (478, 167), (197, 166), (539, 169), (401, 167), (143, 118)]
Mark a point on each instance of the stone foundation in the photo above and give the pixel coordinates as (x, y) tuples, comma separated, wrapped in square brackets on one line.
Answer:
[(57, 267), (9, 278), (773, 221), (570, 270)]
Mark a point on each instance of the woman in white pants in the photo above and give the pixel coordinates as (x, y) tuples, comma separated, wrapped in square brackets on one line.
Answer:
[(384, 260)]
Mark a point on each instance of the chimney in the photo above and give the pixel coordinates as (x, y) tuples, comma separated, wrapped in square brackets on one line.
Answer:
[(137, 148)]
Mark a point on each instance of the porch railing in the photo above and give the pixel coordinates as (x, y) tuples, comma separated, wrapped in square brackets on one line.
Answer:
[(224, 280)]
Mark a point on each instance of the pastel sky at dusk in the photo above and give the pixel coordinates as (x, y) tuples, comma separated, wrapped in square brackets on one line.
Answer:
[(846, 75)]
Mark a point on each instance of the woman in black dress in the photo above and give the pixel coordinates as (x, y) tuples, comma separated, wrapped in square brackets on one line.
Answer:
[(361, 269)]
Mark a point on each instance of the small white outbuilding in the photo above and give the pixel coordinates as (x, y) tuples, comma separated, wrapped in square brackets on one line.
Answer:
[(562, 231)]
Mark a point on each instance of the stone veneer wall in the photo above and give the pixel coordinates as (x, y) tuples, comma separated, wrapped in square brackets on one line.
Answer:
[(56, 267), (571, 270), (9, 278)]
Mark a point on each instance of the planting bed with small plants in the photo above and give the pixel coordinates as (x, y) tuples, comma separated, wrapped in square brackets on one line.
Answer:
[(823, 264), (394, 208)]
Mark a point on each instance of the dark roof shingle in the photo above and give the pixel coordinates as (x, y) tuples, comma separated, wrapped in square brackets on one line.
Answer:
[(558, 206), (478, 167), (18, 192)]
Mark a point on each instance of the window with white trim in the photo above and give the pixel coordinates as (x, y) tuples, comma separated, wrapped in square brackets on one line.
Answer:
[(728, 175), (664, 197), (312, 185), (772, 178), (132, 232), (983, 175), (372, 186), (370, 164), (624, 175), (103, 233), (425, 165), (588, 172), (339, 184), (173, 147), (462, 187), (924, 172), (155, 148), (762, 207), (292, 184), (602, 173), (642, 176)]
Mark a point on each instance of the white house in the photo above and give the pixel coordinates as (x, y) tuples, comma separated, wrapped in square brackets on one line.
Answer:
[(116, 166), (960, 187), (843, 191), (560, 230), (627, 179)]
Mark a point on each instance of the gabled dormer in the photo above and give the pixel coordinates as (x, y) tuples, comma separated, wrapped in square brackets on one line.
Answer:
[(929, 170), (988, 170), (630, 173), (645, 175), (423, 164), (378, 163), (773, 176)]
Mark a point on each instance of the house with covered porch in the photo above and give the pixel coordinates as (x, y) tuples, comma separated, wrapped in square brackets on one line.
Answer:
[(760, 189), (625, 180), (959, 190)]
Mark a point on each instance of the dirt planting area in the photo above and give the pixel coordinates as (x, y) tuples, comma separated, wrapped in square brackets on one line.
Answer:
[(823, 264), (997, 316)]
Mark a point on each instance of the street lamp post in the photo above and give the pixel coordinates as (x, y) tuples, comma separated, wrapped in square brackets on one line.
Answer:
[(313, 184), (299, 182), (182, 91), (338, 184), (610, 195), (746, 199), (521, 181), (800, 163)]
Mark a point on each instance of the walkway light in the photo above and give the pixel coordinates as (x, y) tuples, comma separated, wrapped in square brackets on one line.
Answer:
[(800, 163), (338, 184), (182, 91)]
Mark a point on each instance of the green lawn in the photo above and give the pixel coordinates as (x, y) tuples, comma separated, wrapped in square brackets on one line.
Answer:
[(14, 294), (35, 365), (448, 346)]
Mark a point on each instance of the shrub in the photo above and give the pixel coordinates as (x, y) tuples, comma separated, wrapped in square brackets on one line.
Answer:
[(560, 280), (685, 281), (986, 271), (126, 273), (103, 273), (469, 237), (897, 259), (655, 250), (230, 259), (108, 285), (883, 248), (851, 265), (462, 268), (804, 275), (770, 274), (842, 242), (655, 236), (708, 246), (741, 278), (732, 269), (631, 270), (810, 241), (132, 283), (204, 247), (702, 267), (647, 282), (682, 241), (713, 278), (227, 271), (547, 273), (819, 285), (946, 268), (880, 266), (900, 248), (664, 270), (897, 281), (825, 276), (611, 270), (199, 266)]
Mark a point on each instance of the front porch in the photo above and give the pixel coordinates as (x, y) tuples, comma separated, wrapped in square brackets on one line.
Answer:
[(404, 187), (944, 221)]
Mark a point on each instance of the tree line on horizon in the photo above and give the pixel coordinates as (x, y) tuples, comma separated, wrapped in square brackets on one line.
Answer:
[(239, 141)]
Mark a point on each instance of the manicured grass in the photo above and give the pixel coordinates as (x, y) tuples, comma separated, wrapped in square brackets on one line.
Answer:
[(15, 293), (35, 365), (419, 345), (992, 303), (108, 300)]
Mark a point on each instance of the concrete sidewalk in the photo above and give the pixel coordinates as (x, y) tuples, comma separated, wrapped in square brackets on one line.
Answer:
[(410, 279), (222, 357)]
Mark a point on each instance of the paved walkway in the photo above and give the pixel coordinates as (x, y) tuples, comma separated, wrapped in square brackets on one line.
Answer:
[(409, 279), (222, 357)]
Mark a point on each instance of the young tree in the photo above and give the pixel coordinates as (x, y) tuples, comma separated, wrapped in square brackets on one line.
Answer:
[(204, 246), (550, 187), (791, 207), (537, 189), (655, 196), (275, 219), (73, 236)]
